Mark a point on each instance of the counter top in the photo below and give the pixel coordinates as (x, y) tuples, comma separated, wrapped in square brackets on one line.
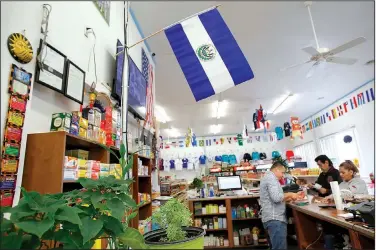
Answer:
[(225, 198), (330, 215)]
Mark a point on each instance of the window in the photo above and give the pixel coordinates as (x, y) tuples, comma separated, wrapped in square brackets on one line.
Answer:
[(308, 153), (337, 150)]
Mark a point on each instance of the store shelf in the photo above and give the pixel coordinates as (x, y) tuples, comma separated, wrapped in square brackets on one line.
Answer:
[(144, 176), (216, 230), (246, 219), (145, 204), (204, 215)]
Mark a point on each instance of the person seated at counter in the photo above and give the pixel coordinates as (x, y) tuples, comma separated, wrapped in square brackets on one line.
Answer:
[(348, 172), (328, 174), (273, 207)]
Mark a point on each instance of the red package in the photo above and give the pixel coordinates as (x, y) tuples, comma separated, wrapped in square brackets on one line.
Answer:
[(6, 199), (13, 134), (17, 103)]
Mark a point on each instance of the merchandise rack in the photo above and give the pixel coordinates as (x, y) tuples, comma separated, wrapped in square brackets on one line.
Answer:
[(231, 223)]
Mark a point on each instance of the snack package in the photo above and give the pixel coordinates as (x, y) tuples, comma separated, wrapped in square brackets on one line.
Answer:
[(82, 133), (82, 164), (70, 174), (93, 166), (76, 115), (13, 134), (83, 173), (61, 122), (7, 182), (6, 199), (17, 104), (15, 118), (83, 123), (70, 163), (9, 166), (11, 149)]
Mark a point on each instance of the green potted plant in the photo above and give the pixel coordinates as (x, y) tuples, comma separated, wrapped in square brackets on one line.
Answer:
[(175, 220), (197, 184), (75, 219)]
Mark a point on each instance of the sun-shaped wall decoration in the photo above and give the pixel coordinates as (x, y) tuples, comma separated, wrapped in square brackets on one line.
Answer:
[(20, 48)]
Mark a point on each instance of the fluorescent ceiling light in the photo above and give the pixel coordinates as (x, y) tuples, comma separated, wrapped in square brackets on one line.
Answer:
[(173, 132), (219, 108), (215, 129), (284, 103), (161, 114)]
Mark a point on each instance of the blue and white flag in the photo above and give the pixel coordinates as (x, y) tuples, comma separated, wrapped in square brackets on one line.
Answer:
[(208, 54)]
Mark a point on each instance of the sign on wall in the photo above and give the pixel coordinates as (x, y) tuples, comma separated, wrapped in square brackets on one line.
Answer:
[(104, 8)]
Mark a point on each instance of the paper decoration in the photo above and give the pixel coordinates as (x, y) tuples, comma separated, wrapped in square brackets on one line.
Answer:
[(352, 103), (296, 129)]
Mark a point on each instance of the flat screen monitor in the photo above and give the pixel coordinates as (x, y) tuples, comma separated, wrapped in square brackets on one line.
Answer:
[(117, 88), (136, 90), (228, 183)]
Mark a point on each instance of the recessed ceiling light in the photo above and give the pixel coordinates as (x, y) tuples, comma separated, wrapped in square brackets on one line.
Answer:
[(320, 98)]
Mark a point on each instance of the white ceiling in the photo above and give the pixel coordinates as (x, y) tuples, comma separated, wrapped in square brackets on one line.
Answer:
[(271, 35)]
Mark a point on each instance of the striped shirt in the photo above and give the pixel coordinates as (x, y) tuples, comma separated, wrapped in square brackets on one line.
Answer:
[(272, 202)]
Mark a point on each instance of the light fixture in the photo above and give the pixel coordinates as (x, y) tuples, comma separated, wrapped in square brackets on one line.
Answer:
[(161, 114), (219, 108), (173, 132), (215, 129), (284, 104)]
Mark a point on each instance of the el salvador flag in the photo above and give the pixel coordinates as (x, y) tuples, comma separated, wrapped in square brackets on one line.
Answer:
[(208, 54)]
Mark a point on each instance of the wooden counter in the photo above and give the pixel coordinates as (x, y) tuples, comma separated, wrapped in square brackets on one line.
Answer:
[(307, 216)]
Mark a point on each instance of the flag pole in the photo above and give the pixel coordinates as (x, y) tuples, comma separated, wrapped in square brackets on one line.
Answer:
[(159, 31)]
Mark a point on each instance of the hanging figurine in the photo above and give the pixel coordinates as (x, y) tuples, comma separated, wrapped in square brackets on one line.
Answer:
[(194, 141), (188, 138), (296, 129)]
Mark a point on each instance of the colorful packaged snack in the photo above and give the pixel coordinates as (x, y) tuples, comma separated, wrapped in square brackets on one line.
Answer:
[(83, 123), (15, 118), (74, 130), (11, 149), (17, 104), (82, 132), (13, 134), (6, 199), (7, 182), (9, 166), (70, 162)]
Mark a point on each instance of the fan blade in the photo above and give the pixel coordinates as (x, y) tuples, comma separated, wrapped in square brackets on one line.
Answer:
[(346, 46), (295, 65), (311, 50), (341, 60), (313, 69)]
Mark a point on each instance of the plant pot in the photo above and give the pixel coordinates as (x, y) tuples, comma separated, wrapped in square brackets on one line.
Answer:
[(195, 239)]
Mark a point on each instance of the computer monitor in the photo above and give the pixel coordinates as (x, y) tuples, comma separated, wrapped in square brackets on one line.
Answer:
[(229, 183)]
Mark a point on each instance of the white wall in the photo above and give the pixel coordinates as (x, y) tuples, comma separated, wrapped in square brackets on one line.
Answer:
[(67, 24), (362, 118)]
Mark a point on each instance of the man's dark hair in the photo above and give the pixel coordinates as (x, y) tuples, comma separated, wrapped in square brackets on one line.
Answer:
[(277, 164), (324, 158)]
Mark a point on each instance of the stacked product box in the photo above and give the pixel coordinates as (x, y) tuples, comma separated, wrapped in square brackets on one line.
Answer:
[(93, 169), (82, 169), (75, 124), (104, 170), (84, 124), (61, 122), (70, 168), (94, 117), (115, 170), (107, 126), (78, 153)]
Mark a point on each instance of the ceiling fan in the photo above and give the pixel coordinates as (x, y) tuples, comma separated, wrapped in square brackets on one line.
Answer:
[(319, 56)]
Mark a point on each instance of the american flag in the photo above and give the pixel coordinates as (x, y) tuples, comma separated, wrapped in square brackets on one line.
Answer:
[(147, 72)]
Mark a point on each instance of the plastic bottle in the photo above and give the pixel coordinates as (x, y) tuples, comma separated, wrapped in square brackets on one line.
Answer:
[(211, 191), (236, 238)]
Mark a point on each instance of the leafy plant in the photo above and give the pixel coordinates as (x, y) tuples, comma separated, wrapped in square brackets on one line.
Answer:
[(172, 216), (197, 183), (75, 219)]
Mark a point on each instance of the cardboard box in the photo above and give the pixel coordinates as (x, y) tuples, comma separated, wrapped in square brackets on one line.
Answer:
[(83, 173), (74, 129), (82, 164), (78, 153), (83, 123), (61, 122), (76, 116), (93, 166), (70, 174), (82, 133)]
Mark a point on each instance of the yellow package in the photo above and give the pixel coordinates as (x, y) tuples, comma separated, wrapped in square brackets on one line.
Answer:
[(82, 132), (82, 164), (82, 173), (83, 123)]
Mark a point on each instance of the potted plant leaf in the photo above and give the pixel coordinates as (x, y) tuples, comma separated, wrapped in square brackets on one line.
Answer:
[(175, 220), (102, 209)]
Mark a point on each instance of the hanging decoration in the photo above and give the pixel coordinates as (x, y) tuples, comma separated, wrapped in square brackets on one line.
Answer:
[(188, 138), (296, 129), (20, 48), (354, 102), (240, 139), (259, 117), (194, 141), (19, 89)]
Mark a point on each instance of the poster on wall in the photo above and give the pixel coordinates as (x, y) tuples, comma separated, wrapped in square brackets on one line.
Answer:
[(104, 9), (52, 73), (75, 82)]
